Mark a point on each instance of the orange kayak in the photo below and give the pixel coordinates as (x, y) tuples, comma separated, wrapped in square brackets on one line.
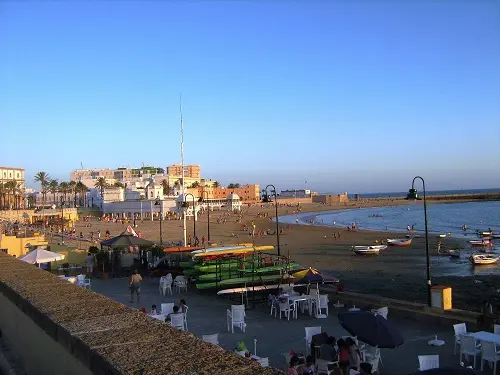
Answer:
[(181, 249)]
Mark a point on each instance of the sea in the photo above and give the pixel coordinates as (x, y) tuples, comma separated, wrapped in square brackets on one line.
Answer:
[(429, 193)]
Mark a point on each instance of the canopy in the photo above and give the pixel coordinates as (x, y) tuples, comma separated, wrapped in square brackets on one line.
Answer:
[(371, 328), (449, 371), (126, 239), (41, 256), (312, 275)]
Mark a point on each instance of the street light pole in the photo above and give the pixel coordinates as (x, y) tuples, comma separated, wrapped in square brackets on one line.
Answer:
[(276, 208), (208, 209), (158, 203), (194, 213), (412, 194), (62, 222)]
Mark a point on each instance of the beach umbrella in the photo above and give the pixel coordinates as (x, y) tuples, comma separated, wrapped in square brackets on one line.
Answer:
[(312, 275), (125, 240), (371, 328), (41, 256), (448, 371)]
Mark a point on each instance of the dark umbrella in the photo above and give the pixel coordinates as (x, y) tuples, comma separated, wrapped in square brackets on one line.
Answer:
[(312, 275), (371, 328), (448, 371), (126, 239)]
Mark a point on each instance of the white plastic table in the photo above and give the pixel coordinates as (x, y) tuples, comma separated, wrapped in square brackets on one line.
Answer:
[(297, 299), (158, 317), (486, 336)]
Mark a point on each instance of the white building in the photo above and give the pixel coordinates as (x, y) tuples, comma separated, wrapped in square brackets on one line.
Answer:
[(233, 202)]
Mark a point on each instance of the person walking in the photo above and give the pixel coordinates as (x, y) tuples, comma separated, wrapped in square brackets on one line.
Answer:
[(135, 286)]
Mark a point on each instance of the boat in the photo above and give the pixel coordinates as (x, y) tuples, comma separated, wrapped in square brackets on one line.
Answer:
[(484, 258), (379, 247), (442, 235), (220, 248), (366, 250), (496, 236), (453, 253), (480, 242), (244, 251), (287, 266), (253, 279), (399, 242), (180, 249)]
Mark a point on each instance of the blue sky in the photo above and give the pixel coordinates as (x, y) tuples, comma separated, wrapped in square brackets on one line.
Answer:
[(350, 96)]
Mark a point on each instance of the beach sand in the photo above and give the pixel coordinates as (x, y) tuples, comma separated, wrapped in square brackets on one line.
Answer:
[(398, 272)]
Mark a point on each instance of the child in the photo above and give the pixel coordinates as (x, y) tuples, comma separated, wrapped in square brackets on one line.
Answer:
[(183, 306), (309, 368), (153, 310), (343, 355), (292, 369), (176, 311)]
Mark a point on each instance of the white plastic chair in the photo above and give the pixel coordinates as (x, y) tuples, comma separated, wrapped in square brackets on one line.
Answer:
[(86, 283), (80, 279), (287, 308), (323, 303), (264, 362), (468, 346), (177, 321), (274, 304), (160, 285), (427, 362), (236, 317), (212, 339), (167, 308), (489, 353), (310, 332), (460, 329), (180, 284), (372, 355), (496, 329)]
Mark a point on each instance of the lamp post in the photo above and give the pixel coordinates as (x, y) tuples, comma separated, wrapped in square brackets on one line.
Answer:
[(412, 194), (186, 204), (267, 200), (208, 209), (62, 222), (158, 203)]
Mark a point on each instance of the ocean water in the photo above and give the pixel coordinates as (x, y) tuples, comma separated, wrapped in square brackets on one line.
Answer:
[(429, 193)]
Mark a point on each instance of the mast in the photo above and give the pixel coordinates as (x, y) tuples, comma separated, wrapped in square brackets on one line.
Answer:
[(182, 173)]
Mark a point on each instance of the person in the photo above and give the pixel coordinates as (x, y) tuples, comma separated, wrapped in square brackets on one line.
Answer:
[(89, 263), (153, 310), (343, 355), (328, 351), (135, 286), (309, 368), (365, 369), (486, 312), (183, 306), (292, 368), (143, 310), (175, 311), (354, 353)]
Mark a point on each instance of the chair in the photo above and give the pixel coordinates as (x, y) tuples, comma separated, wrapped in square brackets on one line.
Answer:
[(383, 311), (212, 339), (185, 318), (86, 283), (180, 283), (167, 308), (372, 355), (427, 362), (489, 353), (236, 317), (326, 367), (496, 329), (167, 285), (310, 332), (264, 362), (468, 346), (273, 301), (323, 303), (177, 321), (460, 329), (80, 279), (287, 308)]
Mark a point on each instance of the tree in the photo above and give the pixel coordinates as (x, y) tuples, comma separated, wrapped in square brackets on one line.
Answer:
[(64, 189), (101, 184), (43, 178), (177, 184), (52, 188), (166, 187), (12, 188), (236, 186), (233, 186), (195, 184), (82, 191), (72, 189), (216, 184), (118, 184), (3, 192)]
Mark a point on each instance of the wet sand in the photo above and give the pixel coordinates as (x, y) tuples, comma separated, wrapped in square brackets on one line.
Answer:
[(398, 272)]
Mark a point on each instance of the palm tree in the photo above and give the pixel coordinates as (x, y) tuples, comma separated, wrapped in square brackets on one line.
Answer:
[(119, 184), (216, 184), (195, 184), (72, 188), (166, 187), (230, 186), (101, 184), (11, 188), (82, 190), (64, 188), (236, 186), (3, 192), (177, 184), (52, 187), (43, 178)]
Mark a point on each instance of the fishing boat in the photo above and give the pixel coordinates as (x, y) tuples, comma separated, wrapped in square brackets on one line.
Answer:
[(480, 243), (484, 258), (493, 235), (399, 242), (368, 250)]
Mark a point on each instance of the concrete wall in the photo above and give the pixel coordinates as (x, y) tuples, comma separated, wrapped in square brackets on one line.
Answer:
[(330, 198), (17, 245), (39, 353)]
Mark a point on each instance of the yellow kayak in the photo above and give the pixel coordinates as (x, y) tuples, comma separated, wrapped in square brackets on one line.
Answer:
[(247, 250)]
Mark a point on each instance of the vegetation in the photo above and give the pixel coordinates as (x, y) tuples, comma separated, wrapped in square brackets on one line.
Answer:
[(118, 184), (233, 186), (195, 184), (53, 188), (101, 184), (166, 187), (43, 178), (216, 184)]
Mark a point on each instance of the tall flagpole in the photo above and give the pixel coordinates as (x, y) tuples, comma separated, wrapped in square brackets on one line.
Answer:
[(182, 173)]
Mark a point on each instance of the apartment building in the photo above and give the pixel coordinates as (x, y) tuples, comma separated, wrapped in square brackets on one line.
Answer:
[(10, 199), (191, 171)]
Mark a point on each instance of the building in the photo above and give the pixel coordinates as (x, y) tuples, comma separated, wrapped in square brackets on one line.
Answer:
[(122, 175), (246, 193), (12, 196), (330, 198), (295, 193), (191, 171)]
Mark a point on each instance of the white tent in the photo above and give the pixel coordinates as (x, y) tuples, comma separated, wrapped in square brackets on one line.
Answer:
[(41, 256)]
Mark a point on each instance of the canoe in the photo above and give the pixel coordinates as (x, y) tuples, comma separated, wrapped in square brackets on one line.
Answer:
[(243, 251), (180, 249), (216, 276), (187, 264), (366, 250), (281, 267), (234, 266), (399, 242), (374, 247), (220, 248), (484, 258), (240, 281)]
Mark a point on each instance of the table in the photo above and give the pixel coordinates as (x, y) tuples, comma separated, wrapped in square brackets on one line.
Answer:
[(158, 317), (296, 299), (71, 279), (485, 336), (353, 372)]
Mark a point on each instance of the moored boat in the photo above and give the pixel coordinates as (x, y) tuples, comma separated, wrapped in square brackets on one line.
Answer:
[(453, 253), (480, 242), (399, 242), (367, 250), (484, 258)]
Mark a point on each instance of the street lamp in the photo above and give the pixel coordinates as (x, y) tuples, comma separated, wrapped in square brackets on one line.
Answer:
[(208, 209), (62, 222), (412, 194), (186, 205), (267, 200), (158, 203)]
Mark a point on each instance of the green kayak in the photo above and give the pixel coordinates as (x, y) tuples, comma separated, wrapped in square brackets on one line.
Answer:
[(190, 272), (223, 267), (238, 281), (291, 266), (187, 264), (216, 276)]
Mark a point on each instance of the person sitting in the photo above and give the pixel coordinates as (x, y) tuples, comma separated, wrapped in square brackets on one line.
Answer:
[(327, 351), (309, 368), (153, 310), (343, 355), (175, 311), (292, 368), (365, 369)]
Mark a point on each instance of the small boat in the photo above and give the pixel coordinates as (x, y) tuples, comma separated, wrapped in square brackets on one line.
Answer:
[(399, 242), (480, 242), (484, 234), (484, 258), (442, 235), (367, 250), (453, 253), (497, 236)]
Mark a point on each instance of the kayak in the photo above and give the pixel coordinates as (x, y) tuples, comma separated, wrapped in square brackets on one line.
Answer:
[(220, 248), (181, 249), (225, 266), (187, 264), (290, 266), (240, 251), (216, 276), (240, 281)]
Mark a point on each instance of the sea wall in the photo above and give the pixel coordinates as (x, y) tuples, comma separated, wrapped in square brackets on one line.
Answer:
[(57, 328)]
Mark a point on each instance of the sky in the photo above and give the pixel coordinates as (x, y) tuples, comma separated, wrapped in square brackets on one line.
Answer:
[(330, 95)]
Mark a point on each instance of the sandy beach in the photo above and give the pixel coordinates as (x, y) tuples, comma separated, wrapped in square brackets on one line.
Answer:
[(396, 273)]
